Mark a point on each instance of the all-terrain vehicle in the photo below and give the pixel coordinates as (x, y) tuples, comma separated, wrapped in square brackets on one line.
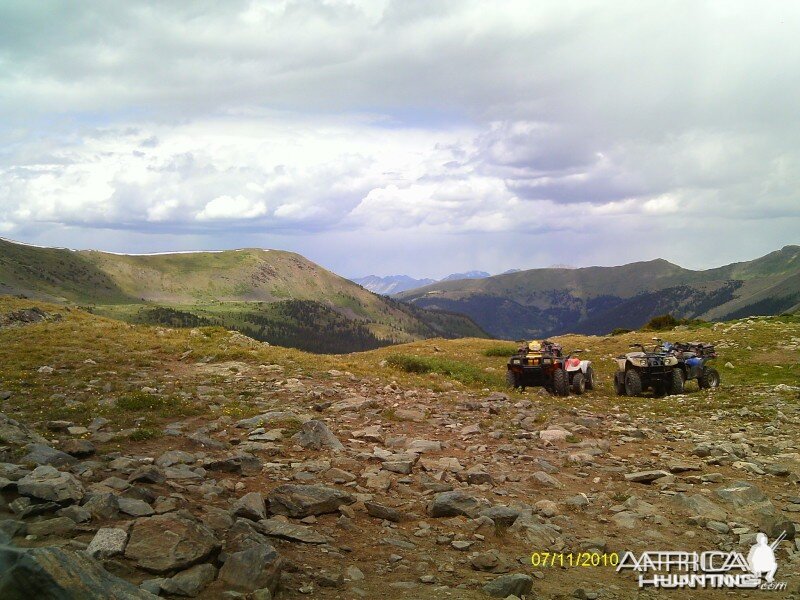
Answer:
[(692, 361), (654, 369), (544, 364)]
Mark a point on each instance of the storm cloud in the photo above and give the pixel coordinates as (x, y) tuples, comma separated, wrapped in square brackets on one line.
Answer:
[(415, 137)]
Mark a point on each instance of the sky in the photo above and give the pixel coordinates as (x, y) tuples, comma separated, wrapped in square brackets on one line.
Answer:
[(409, 136)]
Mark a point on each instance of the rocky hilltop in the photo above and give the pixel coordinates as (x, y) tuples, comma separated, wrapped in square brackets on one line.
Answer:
[(140, 461)]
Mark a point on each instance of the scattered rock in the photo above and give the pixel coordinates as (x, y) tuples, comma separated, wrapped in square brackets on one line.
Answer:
[(48, 483), (453, 504), (252, 569), (164, 543), (250, 506), (645, 476), (303, 500), (42, 454), (107, 542), (59, 573), (316, 436), (289, 531), (516, 584), (190, 582)]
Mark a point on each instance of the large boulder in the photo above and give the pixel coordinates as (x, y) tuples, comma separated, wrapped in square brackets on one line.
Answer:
[(59, 574), (305, 500), (253, 569), (168, 542), (48, 483)]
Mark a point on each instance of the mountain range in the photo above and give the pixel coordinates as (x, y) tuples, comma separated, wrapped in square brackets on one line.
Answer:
[(270, 295), (394, 284), (596, 300), (285, 299)]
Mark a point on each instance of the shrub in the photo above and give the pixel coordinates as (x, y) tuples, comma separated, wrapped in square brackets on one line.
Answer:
[(619, 331), (661, 322), (144, 433)]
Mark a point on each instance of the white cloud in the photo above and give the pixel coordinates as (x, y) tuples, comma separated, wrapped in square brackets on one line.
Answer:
[(227, 207), (395, 120)]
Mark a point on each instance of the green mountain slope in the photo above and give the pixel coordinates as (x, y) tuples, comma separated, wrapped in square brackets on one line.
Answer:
[(274, 296), (595, 300)]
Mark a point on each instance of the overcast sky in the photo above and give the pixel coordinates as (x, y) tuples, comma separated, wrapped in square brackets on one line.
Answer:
[(417, 137)]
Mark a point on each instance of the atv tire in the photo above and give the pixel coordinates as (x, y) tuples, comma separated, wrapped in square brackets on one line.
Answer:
[(561, 383), (512, 380), (676, 382), (578, 383), (619, 386), (633, 383), (589, 378), (709, 378)]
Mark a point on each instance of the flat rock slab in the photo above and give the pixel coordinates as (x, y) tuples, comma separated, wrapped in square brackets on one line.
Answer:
[(291, 532), (645, 476), (305, 500), (167, 542)]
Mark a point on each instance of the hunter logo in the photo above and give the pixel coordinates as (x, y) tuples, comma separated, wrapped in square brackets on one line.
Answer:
[(711, 569)]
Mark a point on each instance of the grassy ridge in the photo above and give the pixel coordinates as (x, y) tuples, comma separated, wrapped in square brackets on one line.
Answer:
[(101, 367), (274, 296)]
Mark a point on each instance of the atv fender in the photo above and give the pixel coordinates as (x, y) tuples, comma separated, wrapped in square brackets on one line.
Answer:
[(575, 366)]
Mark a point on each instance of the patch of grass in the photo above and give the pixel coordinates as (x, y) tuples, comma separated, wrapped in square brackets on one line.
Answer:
[(619, 331), (289, 426), (140, 401), (500, 350), (460, 371), (144, 433)]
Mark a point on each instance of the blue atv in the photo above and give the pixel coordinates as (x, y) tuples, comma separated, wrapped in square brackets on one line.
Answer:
[(693, 360)]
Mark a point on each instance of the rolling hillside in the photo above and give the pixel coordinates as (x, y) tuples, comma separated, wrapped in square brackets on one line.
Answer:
[(595, 300), (271, 295)]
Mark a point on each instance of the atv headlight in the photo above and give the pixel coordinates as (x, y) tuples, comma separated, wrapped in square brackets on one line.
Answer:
[(515, 361), (670, 361), (547, 361), (639, 362)]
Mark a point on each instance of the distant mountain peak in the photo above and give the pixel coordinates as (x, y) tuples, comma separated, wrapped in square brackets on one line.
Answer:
[(467, 275), (390, 284)]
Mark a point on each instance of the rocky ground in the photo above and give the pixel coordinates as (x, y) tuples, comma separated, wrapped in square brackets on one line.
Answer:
[(141, 466)]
